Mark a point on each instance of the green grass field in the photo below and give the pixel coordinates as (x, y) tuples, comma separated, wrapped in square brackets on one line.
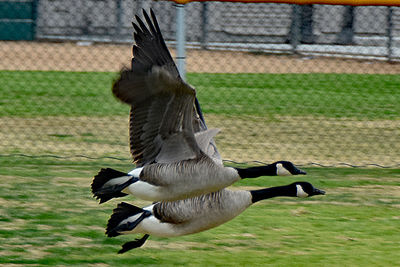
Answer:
[(36, 93), (48, 217), (325, 118)]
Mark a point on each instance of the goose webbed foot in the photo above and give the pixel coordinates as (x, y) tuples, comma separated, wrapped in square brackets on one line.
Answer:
[(133, 244)]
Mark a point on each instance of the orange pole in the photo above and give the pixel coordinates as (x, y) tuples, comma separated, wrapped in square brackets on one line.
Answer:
[(303, 2)]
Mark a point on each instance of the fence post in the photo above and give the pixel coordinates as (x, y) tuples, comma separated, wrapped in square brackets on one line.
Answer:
[(295, 30), (180, 39), (119, 20), (346, 35), (204, 24), (390, 33)]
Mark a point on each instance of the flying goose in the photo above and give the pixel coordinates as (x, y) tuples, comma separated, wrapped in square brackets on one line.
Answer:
[(174, 152), (165, 182), (193, 215)]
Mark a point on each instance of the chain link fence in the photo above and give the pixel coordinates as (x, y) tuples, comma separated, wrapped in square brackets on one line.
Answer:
[(313, 84)]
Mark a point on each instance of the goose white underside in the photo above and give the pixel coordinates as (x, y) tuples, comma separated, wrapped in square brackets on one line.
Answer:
[(154, 226), (151, 225), (144, 190), (117, 181)]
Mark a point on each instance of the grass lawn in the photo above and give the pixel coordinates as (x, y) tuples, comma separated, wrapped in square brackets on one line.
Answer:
[(39, 93), (325, 118), (48, 217)]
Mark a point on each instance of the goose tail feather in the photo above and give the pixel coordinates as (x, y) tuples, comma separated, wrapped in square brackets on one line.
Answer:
[(123, 219), (109, 183)]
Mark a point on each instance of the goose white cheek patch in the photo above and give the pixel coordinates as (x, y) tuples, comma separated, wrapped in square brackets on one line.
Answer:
[(281, 171), (300, 192)]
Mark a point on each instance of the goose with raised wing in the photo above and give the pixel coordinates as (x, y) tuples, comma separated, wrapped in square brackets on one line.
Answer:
[(193, 215), (174, 152)]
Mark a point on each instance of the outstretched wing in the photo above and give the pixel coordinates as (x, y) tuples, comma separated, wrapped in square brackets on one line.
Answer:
[(163, 110)]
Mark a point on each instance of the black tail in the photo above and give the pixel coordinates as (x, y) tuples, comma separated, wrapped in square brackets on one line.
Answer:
[(120, 213), (106, 193)]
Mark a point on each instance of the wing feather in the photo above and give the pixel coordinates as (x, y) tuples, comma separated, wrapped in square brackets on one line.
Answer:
[(165, 113), (160, 100)]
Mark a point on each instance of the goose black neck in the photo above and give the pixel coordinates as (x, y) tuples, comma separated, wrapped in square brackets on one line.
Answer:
[(253, 172), (279, 191)]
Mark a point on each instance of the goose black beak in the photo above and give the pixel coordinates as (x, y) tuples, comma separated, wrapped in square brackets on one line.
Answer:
[(298, 171), (318, 192)]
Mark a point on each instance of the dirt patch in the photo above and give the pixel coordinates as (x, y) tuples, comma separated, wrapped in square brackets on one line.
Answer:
[(30, 251), (89, 136), (306, 139), (367, 190), (302, 139), (369, 195), (111, 57)]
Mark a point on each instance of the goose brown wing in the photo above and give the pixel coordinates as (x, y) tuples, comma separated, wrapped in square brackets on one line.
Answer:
[(161, 123)]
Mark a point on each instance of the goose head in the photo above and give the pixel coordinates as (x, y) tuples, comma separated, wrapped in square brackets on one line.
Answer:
[(305, 189), (284, 168)]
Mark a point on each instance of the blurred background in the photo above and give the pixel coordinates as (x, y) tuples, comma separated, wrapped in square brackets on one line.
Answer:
[(313, 84), (318, 85)]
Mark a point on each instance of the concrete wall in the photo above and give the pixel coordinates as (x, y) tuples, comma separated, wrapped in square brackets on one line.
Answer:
[(225, 22)]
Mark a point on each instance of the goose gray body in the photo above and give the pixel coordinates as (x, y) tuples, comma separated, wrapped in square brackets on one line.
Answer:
[(201, 213), (179, 180), (193, 215)]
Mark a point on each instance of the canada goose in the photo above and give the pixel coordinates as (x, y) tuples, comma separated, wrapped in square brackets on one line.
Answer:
[(174, 152), (162, 182), (193, 215)]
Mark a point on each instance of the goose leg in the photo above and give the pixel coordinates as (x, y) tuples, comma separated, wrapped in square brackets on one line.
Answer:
[(133, 244)]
